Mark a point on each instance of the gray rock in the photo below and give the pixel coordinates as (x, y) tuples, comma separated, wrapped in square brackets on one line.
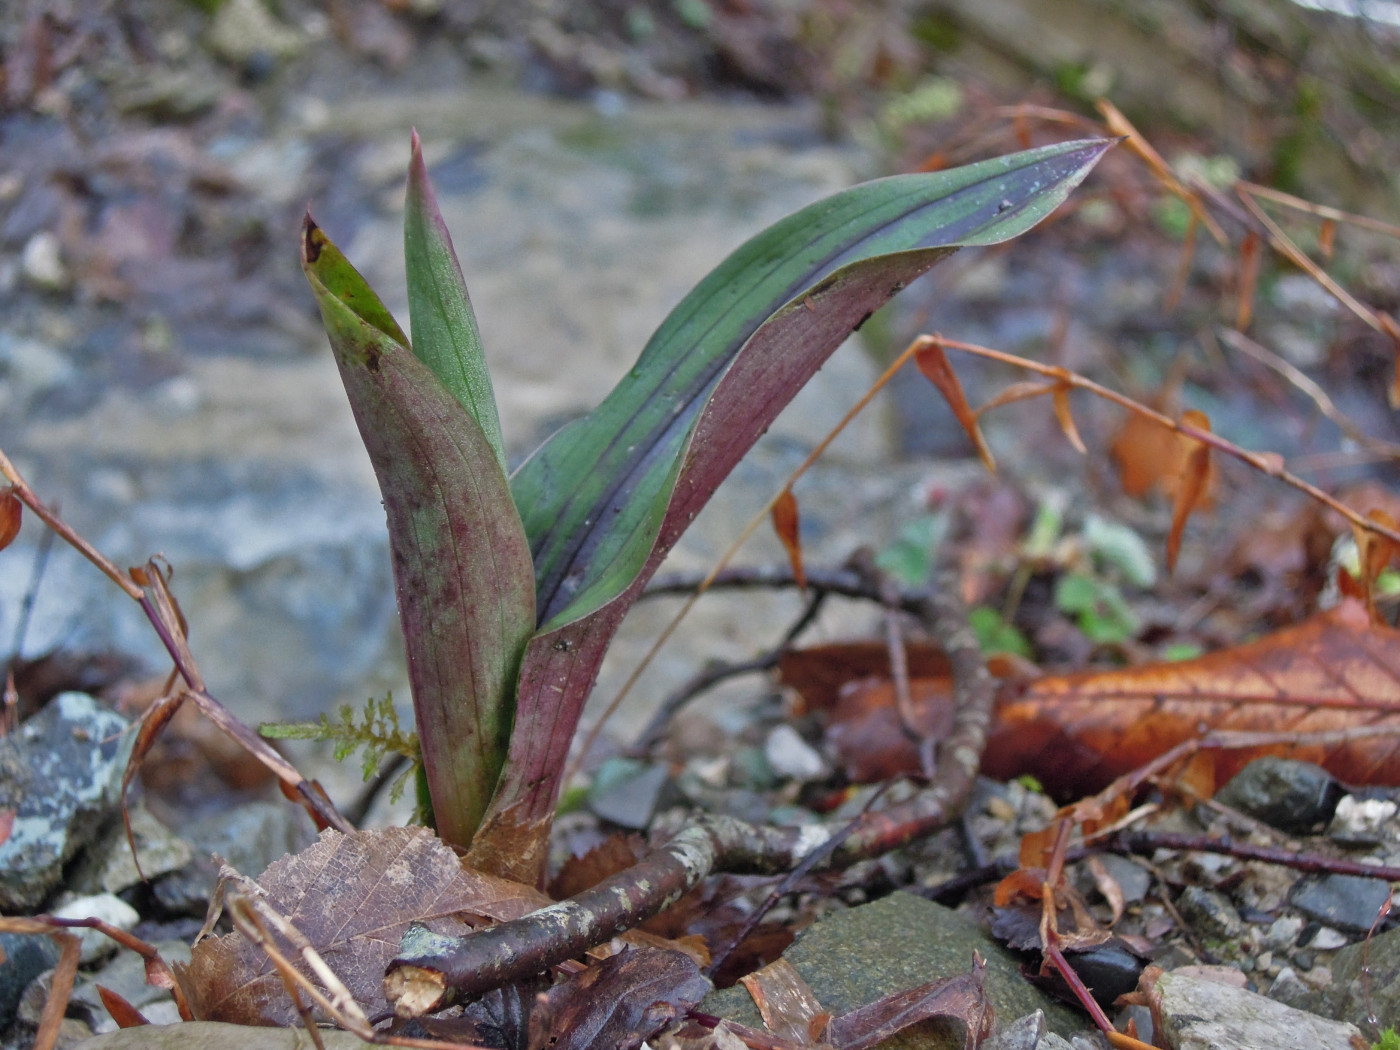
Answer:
[(26, 957), (1029, 1033), (1284, 793), (249, 838), (1198, 1014), (1209, 913), (791, 756), (627, 792), (1132, 878), (244, 32), (853, 957), (61, 772), (126, 975), (1355, 993), (1348, 902), (109, 867), (1360, 822)]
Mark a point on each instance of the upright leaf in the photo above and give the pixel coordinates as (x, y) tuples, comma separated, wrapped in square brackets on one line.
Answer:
[(462, 569), (445, 334), (607, 497)]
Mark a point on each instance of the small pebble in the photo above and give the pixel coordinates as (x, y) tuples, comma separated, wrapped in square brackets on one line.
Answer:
[(42, 263), (1210, 913), (1283, 933), (791, 756), (110, 909), (1360, 822), (1327, 939)]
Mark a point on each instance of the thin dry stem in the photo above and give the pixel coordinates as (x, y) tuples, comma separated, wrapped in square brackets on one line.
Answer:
[(28, 497), (1284, 245), (1267, 462), (1245, 345), (1322, 211)]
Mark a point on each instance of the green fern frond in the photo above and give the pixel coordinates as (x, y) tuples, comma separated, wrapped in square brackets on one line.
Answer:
[(375, 730)]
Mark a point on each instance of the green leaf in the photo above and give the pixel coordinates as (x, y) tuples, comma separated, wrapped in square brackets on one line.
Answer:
[(995, 635), (445, 334), (462, 570), (607, 497), (592, 499)]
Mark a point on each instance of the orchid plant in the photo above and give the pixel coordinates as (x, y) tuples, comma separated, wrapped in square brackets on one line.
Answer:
[(511, 587)]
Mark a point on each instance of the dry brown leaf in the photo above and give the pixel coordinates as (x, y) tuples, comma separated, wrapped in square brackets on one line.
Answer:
[(1251, 255), (352, 896), (932, 360), (1326, 237), (11, 516), (1374, 554), (126, 1015), (1192, 484), (1336, 670), (619, 1002), (1077, 732), (787, 524), (1066, 417)]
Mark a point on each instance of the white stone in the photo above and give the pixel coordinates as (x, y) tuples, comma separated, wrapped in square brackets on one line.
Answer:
[(108, 907), (42, 262), (791, 756), (1361, 817)]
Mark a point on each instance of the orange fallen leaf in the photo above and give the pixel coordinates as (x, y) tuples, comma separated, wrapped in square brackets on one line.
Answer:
[(1066, 418), (1335, 670), (1374, 554), (1077, 732), (11, 516), (1250, 257), (932, 360), (788, 525), (1192, 482)]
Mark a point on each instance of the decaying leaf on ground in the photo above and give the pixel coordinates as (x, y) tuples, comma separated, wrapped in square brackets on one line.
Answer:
[(1076, 732), (353, 896)]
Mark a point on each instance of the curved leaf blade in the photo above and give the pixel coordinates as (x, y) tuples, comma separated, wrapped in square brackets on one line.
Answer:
[(445, 333), (462, 569), (588, 496), (707, 386)]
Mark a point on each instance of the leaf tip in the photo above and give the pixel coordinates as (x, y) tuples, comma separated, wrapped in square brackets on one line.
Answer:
[(312, 240)]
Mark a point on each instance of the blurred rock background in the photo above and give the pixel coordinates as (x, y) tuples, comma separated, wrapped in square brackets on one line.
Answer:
[(164, 380)]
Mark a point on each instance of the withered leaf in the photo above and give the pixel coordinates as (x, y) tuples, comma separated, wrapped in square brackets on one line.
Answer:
[(787, 524), (1335, 670), (352, 896), (619, 1002), (960, 998), (1077, 732), (933, 363), (11, 516), (1192, 483), (126, 1015)]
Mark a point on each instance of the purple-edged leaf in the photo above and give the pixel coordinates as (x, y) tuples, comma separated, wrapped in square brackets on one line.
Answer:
[(606, 498), (462, 569), (445, 333)]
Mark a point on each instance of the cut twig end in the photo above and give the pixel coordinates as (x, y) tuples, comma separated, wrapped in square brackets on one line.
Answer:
[(414, 990)]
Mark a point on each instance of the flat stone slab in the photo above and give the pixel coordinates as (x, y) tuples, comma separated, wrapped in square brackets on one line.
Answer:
[(1198, 1014)]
